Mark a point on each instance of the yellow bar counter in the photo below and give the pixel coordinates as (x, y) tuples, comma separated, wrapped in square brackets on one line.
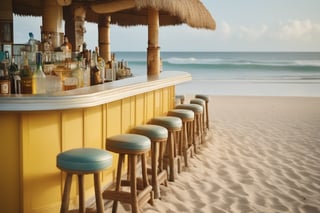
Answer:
[(35, 128)]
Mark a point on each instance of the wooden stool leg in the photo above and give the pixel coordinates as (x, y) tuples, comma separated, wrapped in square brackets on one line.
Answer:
[(145, 176), (66, 194), (161, 155), (189, 139), (118, 182), (207, 115), (133, 183), (160, 162), (204, 121), (177, 149), (97, 190), (171, 156), (202, 127), (82, 205), (199, 128), (196, 133), (185, 144), (154, 168)]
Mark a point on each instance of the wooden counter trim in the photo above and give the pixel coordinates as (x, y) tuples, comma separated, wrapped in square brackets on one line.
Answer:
[(94, 95)]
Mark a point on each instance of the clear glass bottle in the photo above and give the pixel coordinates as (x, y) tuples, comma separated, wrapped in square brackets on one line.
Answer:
[(38, 77), (78, 73)]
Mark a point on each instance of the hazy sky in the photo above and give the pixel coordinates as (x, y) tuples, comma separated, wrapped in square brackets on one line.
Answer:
[(246, 25)]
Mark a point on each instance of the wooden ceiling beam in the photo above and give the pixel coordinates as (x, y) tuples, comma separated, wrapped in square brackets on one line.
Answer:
[(112, 7)]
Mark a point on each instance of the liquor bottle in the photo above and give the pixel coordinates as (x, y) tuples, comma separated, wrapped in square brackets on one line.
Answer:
[(86, 65), (86, 73), (66, 48), (14, 76), (108, 76), (26, 76), (38, 77), (95, 76), (86, 55), (5, 81), (101, 64)]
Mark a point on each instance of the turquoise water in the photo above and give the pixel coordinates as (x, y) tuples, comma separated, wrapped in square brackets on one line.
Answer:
[(240, 73)]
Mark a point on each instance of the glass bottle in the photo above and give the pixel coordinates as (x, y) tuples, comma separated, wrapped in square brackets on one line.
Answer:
[(66, 48), (14, 76), (33, 43), (101, 64), (95, 76), (66, 44), (5, 83), (78, 73), (38, 77), (86, 55), (26, 75)]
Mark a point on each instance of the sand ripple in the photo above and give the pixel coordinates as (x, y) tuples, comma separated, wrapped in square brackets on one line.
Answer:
[(262, 155)]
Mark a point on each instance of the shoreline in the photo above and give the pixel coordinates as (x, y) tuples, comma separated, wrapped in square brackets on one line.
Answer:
[(285, 88)]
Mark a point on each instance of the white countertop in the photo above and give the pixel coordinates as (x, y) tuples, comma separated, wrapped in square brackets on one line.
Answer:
[(93, 95)]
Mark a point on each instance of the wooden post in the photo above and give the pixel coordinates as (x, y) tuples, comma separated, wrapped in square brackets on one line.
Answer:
[(6, 23), (74, 17), (52, 21), (153, 55), (69, 26), (104, 37), (79, 27)]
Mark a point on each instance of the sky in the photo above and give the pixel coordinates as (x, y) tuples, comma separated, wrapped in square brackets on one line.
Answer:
[(246, 25)]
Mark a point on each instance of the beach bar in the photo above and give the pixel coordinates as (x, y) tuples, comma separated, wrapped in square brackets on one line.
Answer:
[(35, 128)]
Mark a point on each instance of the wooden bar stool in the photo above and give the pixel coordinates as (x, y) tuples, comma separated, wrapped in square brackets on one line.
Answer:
[(132, 145), (180, 98), (206, 99), (203, 104), (80, 162), (158, 136), (185, 146), (196, 131), (174, 126)]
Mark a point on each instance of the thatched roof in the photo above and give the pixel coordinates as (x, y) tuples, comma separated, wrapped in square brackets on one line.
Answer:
[(172, 12)]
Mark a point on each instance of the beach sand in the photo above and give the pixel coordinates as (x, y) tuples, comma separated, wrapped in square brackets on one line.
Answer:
[(262, 154)]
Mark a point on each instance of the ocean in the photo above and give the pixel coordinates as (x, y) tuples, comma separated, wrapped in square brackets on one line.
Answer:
[(239, 73)]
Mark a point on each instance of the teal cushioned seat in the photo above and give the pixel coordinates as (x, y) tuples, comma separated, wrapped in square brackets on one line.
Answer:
[(84, 160), (151, 131), (182, 113), (168, 122), (196, 108), (126, 142), (198, 101), (203, 97)]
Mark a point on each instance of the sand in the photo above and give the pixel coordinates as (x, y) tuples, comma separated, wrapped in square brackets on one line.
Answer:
[(262, 154)]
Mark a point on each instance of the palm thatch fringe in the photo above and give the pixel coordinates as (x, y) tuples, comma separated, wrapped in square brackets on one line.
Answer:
[(171, 12), (191, 12)]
